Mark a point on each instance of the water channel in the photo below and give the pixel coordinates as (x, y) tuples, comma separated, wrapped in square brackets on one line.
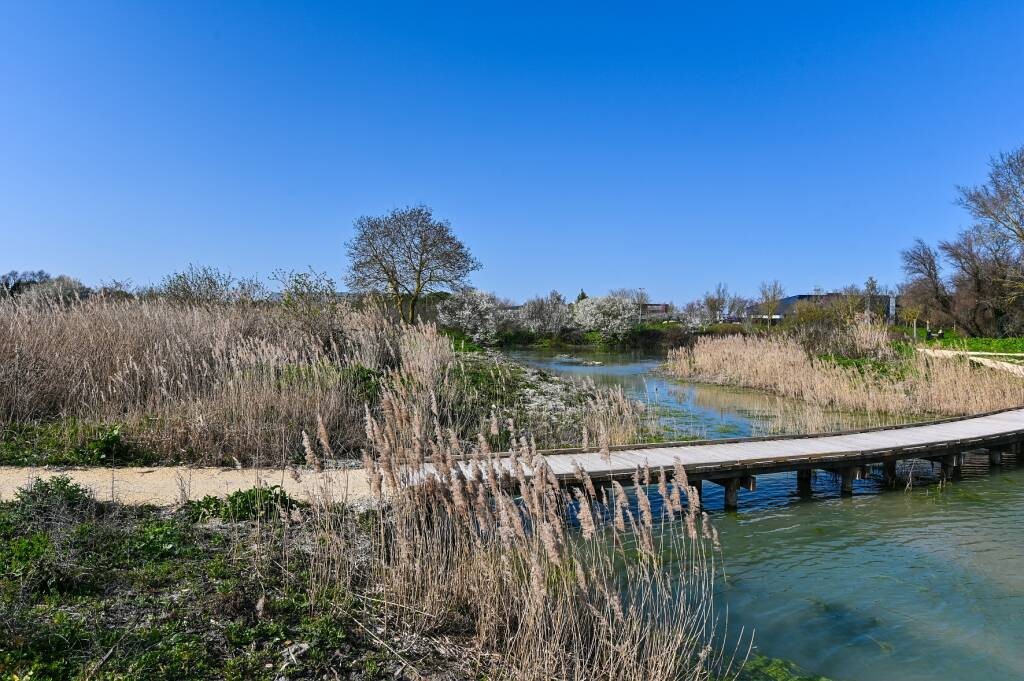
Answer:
[(925, 583)]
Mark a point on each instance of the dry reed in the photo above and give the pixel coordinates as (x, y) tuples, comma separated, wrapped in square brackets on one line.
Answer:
[(914, 385), (488, 545), (227, 383)]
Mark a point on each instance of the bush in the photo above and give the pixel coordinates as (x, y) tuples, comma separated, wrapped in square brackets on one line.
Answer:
[(548, 316), (312, 299), (473, 312), (209, 285), (60, 291), (261, 502), (611, 316), (46, 503)]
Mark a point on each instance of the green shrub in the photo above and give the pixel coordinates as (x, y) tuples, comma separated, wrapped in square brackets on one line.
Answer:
[(44, 502), (364, 380), (260, 502), (461, 342)]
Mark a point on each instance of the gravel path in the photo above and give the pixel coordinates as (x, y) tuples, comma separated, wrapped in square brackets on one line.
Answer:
[(169, 486)]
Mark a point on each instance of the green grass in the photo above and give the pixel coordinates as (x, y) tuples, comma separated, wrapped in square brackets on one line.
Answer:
[(461, 342), (111, 592), (1009, 345), (870, 367), (70, 442)]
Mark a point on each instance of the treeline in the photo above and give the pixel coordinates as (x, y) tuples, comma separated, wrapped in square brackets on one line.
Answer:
[(975, 281)]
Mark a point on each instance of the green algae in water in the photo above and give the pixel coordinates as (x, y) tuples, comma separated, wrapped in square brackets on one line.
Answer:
[(763, 668)]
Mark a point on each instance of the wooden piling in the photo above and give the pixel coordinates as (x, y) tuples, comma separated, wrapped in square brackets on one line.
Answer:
[(848, 475), (889, 472), (952, 466), (731, 486), (803, 482)]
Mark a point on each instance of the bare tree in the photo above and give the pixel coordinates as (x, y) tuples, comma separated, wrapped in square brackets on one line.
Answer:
[(771, 294), (716, 303), (1000, 202), (921, 265), (405, 255)]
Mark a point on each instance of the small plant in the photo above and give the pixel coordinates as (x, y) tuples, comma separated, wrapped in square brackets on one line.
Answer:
[(46, 501), (261, 502)]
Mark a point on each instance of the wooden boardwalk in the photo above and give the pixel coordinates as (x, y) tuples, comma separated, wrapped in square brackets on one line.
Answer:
[(734, 463)]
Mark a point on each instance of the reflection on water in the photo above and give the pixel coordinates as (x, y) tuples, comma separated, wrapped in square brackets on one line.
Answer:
[(698, 410), (924, 583)]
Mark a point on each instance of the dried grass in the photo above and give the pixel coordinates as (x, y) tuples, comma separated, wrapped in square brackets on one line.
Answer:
[(914, 385), (489, 545)]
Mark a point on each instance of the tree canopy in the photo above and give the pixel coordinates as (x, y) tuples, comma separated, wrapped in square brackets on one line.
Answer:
[(405, 255)]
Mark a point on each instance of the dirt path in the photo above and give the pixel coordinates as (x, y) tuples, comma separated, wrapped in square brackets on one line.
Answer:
[(168, 486), (982, 358)]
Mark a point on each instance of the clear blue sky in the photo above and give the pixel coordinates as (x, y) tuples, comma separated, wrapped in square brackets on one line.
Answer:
[(570, 146)]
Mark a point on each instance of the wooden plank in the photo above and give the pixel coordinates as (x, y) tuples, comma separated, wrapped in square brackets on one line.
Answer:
[(773, 452)]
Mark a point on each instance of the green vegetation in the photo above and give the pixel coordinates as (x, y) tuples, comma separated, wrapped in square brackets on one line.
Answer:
[(894, 368), (461, 342), (646, 336), (761, 668), (1008, 345), (90, 590), (70, 442), (256, 503)]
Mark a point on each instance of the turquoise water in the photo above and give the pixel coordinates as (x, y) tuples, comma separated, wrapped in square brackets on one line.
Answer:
[(910, 584)]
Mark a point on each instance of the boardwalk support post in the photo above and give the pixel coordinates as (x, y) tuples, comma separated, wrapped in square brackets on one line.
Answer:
[(889, 472), (803, 482), (995, 457), (951, 466), (732, 489), (732, 494), (848, 475)]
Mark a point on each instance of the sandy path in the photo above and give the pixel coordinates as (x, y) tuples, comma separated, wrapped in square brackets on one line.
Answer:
[(166, 486)]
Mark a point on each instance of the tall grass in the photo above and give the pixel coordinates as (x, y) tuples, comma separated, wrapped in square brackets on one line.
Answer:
[(555, 584), (903, 385), (533, 581), (236, 383)]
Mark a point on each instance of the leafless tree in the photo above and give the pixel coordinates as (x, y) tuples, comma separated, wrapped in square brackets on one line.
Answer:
[(984, 290), (716, 303), (923, 270), (405, 255), (771, 294), (1000, 202)]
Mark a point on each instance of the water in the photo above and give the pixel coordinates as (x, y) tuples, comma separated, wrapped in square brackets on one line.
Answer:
[(697, 410), (925, 584)]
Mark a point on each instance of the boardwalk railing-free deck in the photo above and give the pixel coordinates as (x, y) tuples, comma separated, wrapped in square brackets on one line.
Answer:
[(735, 463)]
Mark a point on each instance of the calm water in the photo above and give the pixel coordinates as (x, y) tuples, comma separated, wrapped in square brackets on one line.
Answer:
[(909, 585)]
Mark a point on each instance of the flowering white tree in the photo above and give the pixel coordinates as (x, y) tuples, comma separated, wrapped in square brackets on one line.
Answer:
[(475, 313), (612, 316), (545, 315)]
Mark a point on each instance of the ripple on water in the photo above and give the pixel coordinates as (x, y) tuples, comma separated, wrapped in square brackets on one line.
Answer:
[(920, 585)]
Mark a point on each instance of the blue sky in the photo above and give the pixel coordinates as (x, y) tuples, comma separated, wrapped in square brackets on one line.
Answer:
[(570, 146)]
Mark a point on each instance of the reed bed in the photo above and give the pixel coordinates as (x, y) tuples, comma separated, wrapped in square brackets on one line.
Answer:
[(902, 385), (234, 384), (547, 583)]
